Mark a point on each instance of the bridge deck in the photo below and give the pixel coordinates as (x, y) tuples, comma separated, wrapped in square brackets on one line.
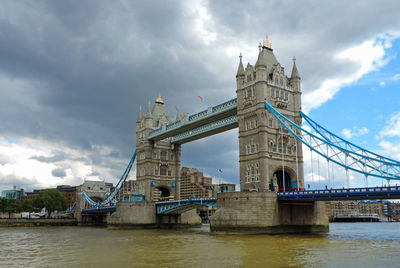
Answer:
[(98, 210), (390, 192), (212, 114)]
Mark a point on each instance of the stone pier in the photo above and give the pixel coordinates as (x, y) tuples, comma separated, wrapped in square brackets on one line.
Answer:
[(261, 212), (143, 215)]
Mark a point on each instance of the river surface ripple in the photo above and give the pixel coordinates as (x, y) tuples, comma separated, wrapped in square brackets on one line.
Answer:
[(346, 245)]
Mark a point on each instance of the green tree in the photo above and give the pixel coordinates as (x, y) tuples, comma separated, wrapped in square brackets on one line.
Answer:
[(12, 206), (27, 205), (50, 199)]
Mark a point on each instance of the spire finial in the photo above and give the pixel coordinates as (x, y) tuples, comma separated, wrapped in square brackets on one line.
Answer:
[(240, 56), (159, 99), (267, 44), (259, 46), (294, 59)]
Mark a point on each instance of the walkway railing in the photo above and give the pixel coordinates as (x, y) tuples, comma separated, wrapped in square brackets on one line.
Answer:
[(210, 112), (390, 192)]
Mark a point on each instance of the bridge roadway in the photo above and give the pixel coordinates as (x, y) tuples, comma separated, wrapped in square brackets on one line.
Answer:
[(389, 192), (179, 206)]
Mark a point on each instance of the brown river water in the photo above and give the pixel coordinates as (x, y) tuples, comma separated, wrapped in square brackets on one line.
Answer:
[(346, 245)]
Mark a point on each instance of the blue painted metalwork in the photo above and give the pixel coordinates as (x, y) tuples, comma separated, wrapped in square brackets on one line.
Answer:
[(165, 207), (367, 165), (210, 112), (333, 138), (110, 199), (71, 208), (390, 192), (224, 122), (99, 210)]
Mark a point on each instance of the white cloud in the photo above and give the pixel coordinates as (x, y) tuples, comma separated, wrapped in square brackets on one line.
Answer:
[(203, 24), (369, 56), (382, 83), (354, 132), (396, 77), (390, 149), (392, 128), (31, 163)]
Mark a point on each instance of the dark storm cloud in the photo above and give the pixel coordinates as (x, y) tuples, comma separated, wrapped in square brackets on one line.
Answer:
[(58, 172), (77, 72)]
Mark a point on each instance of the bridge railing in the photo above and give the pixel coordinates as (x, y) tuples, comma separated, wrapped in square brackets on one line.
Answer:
[(212, 111), (337, 193), (205, 128)]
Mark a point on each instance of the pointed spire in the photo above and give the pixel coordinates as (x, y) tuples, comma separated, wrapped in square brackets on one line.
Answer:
[(140, 117), (240, 71), (140, 112), (260, 59), (148, 114), (295, 73)]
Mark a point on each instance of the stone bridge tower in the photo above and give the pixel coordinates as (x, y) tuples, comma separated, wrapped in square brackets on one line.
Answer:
[(158, 163), (268, 155)]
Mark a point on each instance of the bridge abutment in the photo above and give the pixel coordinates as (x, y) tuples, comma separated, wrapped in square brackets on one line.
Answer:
[(261, 212), (143, 215)]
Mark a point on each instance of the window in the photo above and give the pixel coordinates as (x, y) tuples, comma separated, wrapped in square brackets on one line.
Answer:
[(156, 172), (270, 123), (172, 157), (142, 156), (251, 124), (253, 148), (272, 93), (256, 123), (281, 82), (276, 80), (169, 173), (163, 171), (248, 77), (163, 156), (281, 94), (154, 155), (274, 148), (286, 96)]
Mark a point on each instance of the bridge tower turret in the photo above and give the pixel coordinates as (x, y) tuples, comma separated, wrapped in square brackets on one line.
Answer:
[(267, 154), (158, 163)]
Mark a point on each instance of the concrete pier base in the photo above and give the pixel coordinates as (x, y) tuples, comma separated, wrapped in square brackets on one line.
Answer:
[(261, 212), (143, 215), (133, 214)]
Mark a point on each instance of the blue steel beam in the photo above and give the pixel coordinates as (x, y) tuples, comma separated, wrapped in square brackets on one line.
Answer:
[(215, 113), (208, 129), (174, 206), (367, 165), (110, 199), (390, 192), (99, 210)]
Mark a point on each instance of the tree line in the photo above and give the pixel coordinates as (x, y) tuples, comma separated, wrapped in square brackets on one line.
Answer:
[(50, 199)]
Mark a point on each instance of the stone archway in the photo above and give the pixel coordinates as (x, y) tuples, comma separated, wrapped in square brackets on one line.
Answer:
[(160, 193), (284, 182)]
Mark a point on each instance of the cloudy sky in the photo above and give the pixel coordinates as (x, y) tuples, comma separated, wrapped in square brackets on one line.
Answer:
[(73, 75)]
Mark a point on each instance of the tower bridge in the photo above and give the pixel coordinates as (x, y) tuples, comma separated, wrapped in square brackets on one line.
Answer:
[(267, 113)]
